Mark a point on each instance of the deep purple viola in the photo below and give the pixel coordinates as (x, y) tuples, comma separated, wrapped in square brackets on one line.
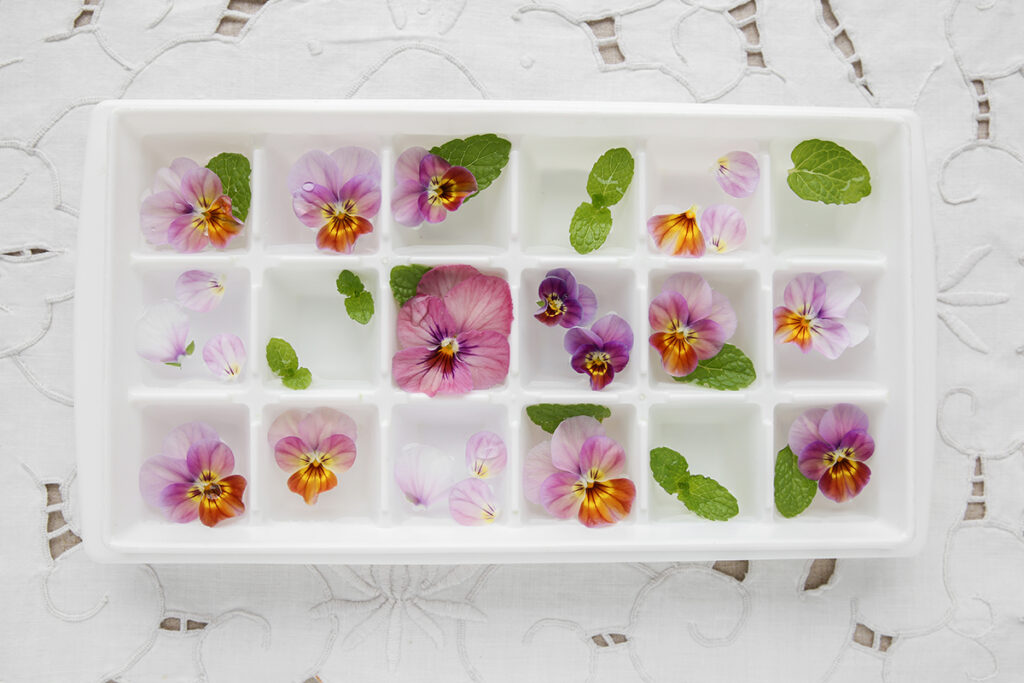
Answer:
[(563, 301), (601, 351)]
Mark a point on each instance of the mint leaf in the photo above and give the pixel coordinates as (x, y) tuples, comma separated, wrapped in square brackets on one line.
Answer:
[(730, 370), (706, 498), (300, 379), (234, 171), (610, 177), (793, 491), (484, 155), (670, 469), (360, 307), (589, 227), (548, 416), (191, 348), (349, 283), (826, 172), (404, 280), (281, 357)]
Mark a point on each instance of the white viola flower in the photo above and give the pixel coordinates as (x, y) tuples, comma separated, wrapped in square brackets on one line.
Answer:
[(161, 335), (423, 474)]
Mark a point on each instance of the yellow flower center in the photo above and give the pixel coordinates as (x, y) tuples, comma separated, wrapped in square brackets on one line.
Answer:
[(596, 362)]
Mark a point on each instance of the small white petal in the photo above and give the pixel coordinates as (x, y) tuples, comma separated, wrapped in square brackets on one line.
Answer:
[(225, 356), (423, 474), (162, 332), (199, 290), (486, 455)]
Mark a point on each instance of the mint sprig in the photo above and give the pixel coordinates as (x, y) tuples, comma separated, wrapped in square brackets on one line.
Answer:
[(234, 171), (589, 227), (284, 363), (607, 183), (404, 281), (702, 495), (826, 172), (358, 300), (729, 370), (483, 155), (548, 416), (793, 491)]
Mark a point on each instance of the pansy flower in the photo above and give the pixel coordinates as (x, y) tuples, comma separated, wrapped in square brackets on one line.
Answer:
[(601, 351), (453, 335), (821, 312), (188, 209), (161, 335), (423, 475), (677, 233), (472, 502), (691, 323), (831, 446), (199, 290), (563, 301), (580, 473), (738, 173), (192, 477), (427, 187), (315, 448), (336, 194)]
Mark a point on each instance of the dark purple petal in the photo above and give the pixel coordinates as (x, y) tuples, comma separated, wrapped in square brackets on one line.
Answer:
[(553, 285), (613, 329), (579, 337), (815, 460), (432, 166), (572, 315), (857, 445), (618, 355), (566, 276)]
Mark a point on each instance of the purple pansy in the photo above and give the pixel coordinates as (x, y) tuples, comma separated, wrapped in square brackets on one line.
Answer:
[(563, 301), (691, 323), (601, 351), (831, 446), (821, 312), (427, 187)]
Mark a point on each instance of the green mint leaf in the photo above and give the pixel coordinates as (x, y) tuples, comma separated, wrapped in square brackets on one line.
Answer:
[(234, 171), (484, 155), (548, 416), (793, 491), (589, 227), (360, 307), (281, 357), (825, 172), (404, 280), (670, 470), (191, 348), (610, 177), (349, 283), (706, 498), (300, 379), (730, 370)]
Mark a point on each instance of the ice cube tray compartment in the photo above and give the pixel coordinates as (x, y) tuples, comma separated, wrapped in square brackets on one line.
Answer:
[(279, 285)]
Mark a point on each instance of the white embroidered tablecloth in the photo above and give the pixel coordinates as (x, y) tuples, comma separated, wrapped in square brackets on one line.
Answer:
[(953, 613)]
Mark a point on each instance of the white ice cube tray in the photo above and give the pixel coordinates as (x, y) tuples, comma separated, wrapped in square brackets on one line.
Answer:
[(279, 285)]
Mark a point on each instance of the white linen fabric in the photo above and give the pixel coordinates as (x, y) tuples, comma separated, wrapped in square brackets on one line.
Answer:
[(952, 613)]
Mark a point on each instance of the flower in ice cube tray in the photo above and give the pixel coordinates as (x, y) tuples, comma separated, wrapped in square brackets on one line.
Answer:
[(724, 227), (563, 301), (601, 351), (161, 335), (224, 356), (188, 209), (199, 290), (192, 477), (472, 502), (738, 173), (677, 233), (453, 335), (831, 446), (427, 187), (314, 447), (486, 455), (423, 474), (579, 473), (336, 194), (691, 323), (821, 312)]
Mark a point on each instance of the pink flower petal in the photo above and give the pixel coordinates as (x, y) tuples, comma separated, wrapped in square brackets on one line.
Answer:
[(159, 472), (814, 460), (161, 335), (210, 456), (738, 173), (486, 455), (432, 166), (536, 469), (157, 213), (482, 303), (421, 320), (829, 338), (322, 423), (405, 203), (568, 440), (407, 167), (614, 329), (588, 305), (804, 430), (423, 474), (805, 294), (417, 370), (840, 292), (486, 356), (184, 235), (432, 212), (341, 452), (178, 442), (286, 424), (177, 505), (201, 186), (442, 279), (668, 310), (364, 191), (578, 338), (291, 453), (840, 419), (472, 503), (199, 290), (724, 227), (169, 179), (602, 458), (723, 314), (707, 338), (356, 161), (858, 443), (695, 290), (315, 168), (224, 355), (562, 495)]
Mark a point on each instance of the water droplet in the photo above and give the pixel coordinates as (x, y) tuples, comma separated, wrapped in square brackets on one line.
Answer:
[(308, 187), (314, 47), (526, 62)]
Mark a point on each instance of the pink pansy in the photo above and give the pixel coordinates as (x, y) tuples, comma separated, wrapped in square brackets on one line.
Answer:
[(188, 209), (423, 475), (724, 228), (691, 323), (821, 312), (199, 290), (472, 503), (161, 335), (579, 473), (831, 446), (453, 335), (336, 194), (738, 173), (486, 455), (427, 187), (224, 355), (314, 448), (192, 477)]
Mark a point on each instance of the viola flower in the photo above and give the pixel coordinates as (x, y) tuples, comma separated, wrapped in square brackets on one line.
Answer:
[(224, 355), (188, 209), (601, 351), (579, 474), (199, 290), (486, 455), (738, 173), (691, 323), (192, 477), (472, 503), (563, 301), (336, 194), (677, 233), (315, 447), (161, 335), (831, 447), (423, 475), (724, 227), (453, 335), (427, 187), (821, 312)]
